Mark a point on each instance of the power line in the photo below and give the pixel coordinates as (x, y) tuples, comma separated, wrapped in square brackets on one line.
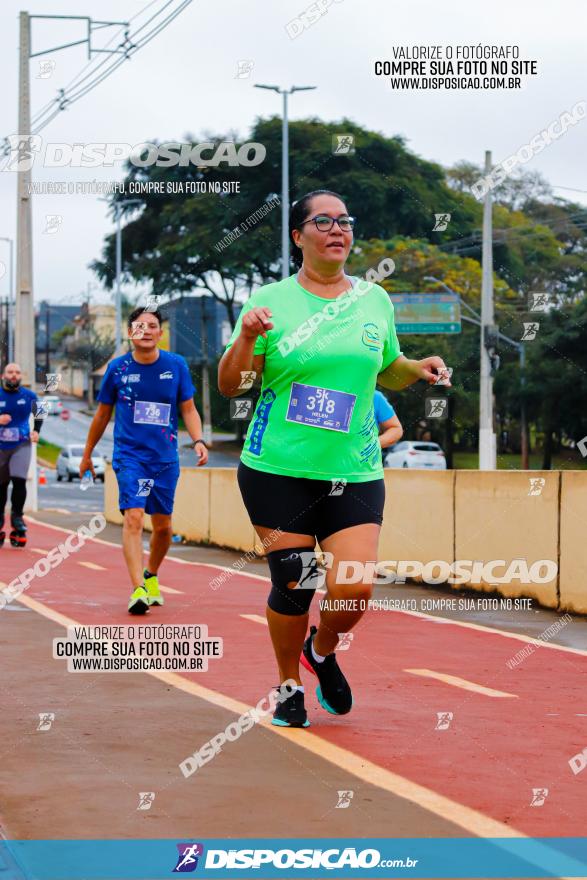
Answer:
[(75, 90), (472, 242), (66, 101), (152, 17), (570, 188), (38, 116), (102, 61)]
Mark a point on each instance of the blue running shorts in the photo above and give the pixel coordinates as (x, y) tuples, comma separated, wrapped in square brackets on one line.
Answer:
[(150, 486)]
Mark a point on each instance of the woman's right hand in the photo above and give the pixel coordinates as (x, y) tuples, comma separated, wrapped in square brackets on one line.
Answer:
[(256, 322)]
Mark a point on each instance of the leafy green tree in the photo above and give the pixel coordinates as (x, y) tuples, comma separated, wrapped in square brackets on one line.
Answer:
[(556, 377), (178, 243), (91, 351), (59, 337), (515, 192), (184, 243)]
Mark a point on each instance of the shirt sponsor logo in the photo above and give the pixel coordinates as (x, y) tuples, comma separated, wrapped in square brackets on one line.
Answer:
[(20, 402), (166, 375), (370, 337), (132, 377)]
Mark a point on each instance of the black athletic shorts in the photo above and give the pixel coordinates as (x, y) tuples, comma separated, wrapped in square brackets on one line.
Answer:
[(309, 507)]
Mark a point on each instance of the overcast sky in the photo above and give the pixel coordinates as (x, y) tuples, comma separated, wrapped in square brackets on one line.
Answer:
[(185, 80)]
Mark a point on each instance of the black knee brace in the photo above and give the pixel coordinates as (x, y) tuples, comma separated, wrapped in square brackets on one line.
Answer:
[(297, 565)]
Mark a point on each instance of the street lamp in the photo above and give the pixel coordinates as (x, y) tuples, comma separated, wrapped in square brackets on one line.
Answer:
[(522, 356), (285, 172), (10, 300)]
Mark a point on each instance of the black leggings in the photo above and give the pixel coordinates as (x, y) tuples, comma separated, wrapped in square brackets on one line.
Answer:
[(309, 507), (18, 496)]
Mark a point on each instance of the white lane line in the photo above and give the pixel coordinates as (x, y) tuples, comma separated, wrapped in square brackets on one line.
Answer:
[(171, 590), (53, 510), (455, 681), (256, 618)]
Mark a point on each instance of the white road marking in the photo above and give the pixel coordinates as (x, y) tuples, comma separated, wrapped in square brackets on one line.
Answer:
[(455, 681)]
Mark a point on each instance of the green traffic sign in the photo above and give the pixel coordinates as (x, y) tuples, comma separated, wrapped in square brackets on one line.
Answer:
[(426, 312), (421, 327)]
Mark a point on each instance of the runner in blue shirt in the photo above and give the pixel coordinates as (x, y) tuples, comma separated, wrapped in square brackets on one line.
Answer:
[(388, 423), (16, 405), (149, 387)]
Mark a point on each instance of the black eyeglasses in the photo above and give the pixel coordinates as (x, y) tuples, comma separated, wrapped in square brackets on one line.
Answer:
[(324, 223)]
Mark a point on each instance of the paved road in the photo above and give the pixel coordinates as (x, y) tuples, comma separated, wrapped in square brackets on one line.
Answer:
[(69, 497), (75, 429)]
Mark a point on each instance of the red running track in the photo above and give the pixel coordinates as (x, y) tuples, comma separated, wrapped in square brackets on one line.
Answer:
[(495, 751)]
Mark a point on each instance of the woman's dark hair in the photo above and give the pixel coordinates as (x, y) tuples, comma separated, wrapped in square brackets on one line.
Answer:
[(299, 212)]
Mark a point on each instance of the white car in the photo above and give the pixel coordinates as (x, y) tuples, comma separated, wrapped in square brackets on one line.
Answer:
[(69, 460), (416, 454), (51, 404)]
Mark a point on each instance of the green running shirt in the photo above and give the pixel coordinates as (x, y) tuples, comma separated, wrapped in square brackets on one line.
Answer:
[(314, 417)]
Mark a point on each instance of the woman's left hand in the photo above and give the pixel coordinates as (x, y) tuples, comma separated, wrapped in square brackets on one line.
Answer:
[(431, 369)]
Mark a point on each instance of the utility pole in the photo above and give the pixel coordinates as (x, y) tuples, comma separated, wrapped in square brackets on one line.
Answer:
[(523, 416), (118, 295), (25, 318), (24, 341), (3, 328), (118, 292), (285, 172), (285, 190), (487, 446), (47, 336), (207, 423), (24, 335), (10, 305), (519, 346), (24, 306)]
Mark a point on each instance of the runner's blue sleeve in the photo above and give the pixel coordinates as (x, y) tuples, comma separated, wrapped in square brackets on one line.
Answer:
[(186, 388), (383, 408), (107, 393)]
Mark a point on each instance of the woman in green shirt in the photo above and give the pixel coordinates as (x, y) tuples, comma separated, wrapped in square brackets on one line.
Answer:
[(310, 469)]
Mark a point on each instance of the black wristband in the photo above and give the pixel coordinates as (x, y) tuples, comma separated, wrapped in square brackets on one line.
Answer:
[(194, 442)]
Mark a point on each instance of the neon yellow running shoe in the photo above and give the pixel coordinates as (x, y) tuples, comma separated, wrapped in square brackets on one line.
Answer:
[(152, 588), (139, 601)]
